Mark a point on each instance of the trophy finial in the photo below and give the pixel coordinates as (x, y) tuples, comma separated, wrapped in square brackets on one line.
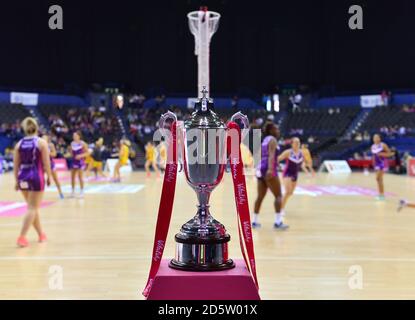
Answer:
[(204, 93), (204, 100)]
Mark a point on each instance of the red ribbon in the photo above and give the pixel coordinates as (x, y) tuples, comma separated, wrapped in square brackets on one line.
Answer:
[(166, 206), (241, 200), (165, 209)]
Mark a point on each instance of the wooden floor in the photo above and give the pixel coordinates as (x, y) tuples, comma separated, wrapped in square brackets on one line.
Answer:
[(102, 244)]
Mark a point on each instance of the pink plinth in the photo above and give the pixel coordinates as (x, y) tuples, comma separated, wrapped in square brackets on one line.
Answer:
[(234, 284)]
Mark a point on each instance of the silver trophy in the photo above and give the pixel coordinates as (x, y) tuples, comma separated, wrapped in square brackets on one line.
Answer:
[(202, 243)]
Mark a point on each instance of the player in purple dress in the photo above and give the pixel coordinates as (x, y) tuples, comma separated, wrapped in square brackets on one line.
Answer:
[(294, 159), (380, 153), (79, 151), (267, 174), (53, 154), (31, 162)]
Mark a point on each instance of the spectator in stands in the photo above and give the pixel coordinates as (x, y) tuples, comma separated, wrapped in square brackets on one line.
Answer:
[(358, 137), (385, 96), (160, 99), (234, 103), (393, 131), (298, 98), (12, 130), (295, 100), (141, 99), (294, 132), (357, 156), (265, 99), (136, 101), (259, 122)]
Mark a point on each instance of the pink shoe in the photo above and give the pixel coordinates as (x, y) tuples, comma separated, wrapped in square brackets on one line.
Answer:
[(43, 237), (22, 242)]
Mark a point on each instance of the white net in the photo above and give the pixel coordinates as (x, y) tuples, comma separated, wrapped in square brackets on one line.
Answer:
[(196, 18), (203, 25)]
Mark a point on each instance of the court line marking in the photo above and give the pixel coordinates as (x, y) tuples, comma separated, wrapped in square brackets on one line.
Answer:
[(140, 221), (102, 189), (11, 206), (115, 258)]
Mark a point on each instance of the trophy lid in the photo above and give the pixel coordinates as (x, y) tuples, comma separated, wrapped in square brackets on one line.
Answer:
[(204, 115)]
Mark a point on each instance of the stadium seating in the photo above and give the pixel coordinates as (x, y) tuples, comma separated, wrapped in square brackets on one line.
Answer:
[(389, 117), (319, 122), (342, 147), (10, 113)]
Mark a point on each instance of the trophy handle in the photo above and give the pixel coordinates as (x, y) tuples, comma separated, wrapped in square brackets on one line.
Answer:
[(245, 121), (162, 122), (166, 116)]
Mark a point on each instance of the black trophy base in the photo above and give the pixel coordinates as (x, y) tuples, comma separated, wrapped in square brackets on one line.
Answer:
[(201, 267), (201, 254)]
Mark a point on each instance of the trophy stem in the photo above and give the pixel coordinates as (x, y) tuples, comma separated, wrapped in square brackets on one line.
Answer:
[(203, 213), (203, 197)]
